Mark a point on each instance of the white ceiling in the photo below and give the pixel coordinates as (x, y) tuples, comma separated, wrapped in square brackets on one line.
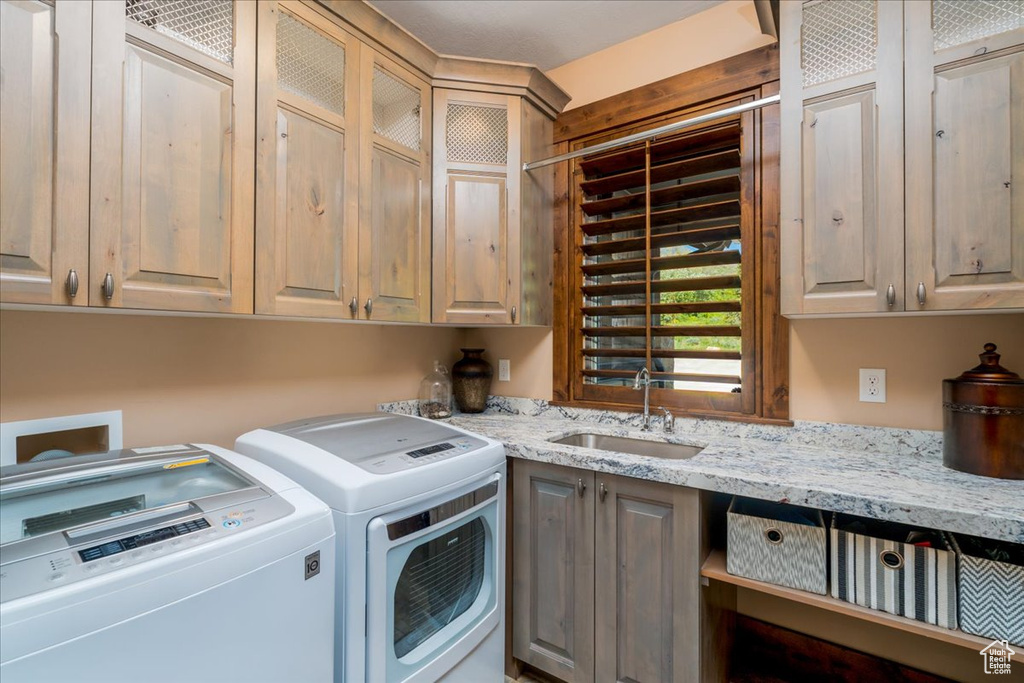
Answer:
[(547, 33)]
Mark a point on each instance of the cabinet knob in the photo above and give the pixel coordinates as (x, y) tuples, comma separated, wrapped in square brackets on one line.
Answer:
[(921, 293), (71, 284), (353, 306), (890, 296), (513, 314), (580, 487), (108, 287), (368, 306), (602, 492)]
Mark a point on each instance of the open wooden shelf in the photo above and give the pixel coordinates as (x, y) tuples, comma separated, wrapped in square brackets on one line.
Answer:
[(714, 569)]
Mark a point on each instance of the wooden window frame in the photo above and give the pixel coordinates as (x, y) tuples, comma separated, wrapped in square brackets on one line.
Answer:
[(743, 78)]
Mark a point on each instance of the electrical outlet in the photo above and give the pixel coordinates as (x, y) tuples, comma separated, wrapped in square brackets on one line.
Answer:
[(872, 385), (504, 370)]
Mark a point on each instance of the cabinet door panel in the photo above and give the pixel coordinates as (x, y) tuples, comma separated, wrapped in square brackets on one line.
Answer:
[(394, 206), (553, 589), (177, 175), (476, 235), (840, 222), (307, 165), (44, 158), (965, 156), (647, 578), (172, 158)]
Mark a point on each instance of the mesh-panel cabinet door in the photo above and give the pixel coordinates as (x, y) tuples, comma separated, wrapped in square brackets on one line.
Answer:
[(476, 199), (841, 73), (308, 166), (394, 191), (172, 176), (964, 154)]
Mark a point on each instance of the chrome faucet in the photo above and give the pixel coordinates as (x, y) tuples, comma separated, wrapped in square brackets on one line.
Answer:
[(643, 381)]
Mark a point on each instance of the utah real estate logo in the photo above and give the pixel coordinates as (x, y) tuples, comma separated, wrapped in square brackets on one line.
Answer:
[(997, 657)]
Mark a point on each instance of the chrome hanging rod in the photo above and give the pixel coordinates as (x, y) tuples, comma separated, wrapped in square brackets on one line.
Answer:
[(653, 133)]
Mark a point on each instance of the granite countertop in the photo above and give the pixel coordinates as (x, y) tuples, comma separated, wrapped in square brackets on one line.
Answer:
[(890, 474)]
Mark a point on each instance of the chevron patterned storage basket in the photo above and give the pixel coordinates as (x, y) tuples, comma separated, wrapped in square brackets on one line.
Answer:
[(776, 543), (873, 568), (991, 593)]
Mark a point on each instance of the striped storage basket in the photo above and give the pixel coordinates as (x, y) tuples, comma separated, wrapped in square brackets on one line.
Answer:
[(874, 567), (991, 592), (776, 543)]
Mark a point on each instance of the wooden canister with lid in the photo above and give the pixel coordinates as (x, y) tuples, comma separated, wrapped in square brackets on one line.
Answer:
[(983, 420)]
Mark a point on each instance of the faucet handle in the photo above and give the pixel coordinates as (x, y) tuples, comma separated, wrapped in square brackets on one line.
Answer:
[(668, 425)]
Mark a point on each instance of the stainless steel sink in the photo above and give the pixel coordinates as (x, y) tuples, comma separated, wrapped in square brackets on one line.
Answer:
[(622, 444)]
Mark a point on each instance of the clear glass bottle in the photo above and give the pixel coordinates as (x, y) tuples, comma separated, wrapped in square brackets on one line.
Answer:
[(436, 393)]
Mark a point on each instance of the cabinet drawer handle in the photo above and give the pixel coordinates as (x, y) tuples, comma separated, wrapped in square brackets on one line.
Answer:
[(890, 559), (513, 314), (602, 492), (71, 284), (921, 293), (580, 487), (369, 307), (773, 536), (890, 296), (108, 287), (353, 306)]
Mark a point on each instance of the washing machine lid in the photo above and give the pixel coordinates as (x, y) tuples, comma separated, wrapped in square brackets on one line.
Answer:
[(382, 443)]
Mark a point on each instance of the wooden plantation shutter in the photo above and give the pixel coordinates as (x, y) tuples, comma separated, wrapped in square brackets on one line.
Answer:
[(664, 236)]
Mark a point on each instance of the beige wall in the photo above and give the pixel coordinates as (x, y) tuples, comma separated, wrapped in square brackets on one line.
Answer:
[(529, 349), (916, 353), (206, 379), (714, 34)]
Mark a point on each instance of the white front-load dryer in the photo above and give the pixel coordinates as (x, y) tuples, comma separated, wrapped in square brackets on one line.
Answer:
[(420, 510)]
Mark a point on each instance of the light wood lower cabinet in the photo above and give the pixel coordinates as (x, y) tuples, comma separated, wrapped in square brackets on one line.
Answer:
[(605, 576), (44, 156)]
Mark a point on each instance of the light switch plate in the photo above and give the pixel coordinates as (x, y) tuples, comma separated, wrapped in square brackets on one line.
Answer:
[(872, 385), (504, 370)]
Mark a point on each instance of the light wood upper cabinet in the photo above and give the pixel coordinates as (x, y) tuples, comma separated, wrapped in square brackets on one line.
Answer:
[(394, 192), (173, 126), (307, 164), (492, 222), (605, 576), (921, 100), (842, 141), (44, 157), (965, 156)]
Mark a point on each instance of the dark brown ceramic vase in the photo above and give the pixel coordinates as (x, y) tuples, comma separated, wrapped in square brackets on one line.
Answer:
[(983, 420), (471, 381)]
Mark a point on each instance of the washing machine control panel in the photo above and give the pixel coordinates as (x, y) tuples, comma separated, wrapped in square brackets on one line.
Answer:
[(424, 455), (67, 558)]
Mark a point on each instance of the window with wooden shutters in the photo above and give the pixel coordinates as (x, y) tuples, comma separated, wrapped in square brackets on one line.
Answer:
[(662, 238), (671, 255)]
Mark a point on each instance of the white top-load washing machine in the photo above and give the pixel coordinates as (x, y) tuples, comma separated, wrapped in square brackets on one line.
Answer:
[(185, 563), (420, 511)]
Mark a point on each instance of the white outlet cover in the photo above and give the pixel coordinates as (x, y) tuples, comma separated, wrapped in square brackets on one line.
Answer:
[(872, 385), (504, 370)]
